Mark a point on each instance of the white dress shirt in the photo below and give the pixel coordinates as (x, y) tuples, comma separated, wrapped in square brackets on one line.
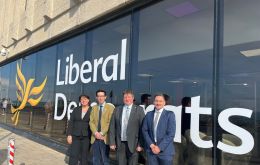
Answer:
[(125, 117), (155, 127)]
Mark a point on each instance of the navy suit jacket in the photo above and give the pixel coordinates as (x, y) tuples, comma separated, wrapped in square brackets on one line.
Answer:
[(165, 133)]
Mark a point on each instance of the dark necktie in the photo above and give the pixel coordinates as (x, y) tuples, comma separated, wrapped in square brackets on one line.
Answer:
[(99, 118)]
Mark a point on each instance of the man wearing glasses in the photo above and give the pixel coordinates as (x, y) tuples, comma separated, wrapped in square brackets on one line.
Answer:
[(99, 126)]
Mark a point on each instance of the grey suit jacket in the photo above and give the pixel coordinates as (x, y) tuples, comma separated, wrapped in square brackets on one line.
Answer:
[(134, 134)]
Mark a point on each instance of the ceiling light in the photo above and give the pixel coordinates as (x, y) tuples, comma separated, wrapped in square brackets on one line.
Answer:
[(251, 53), (145, 75), (182, 9), (175, 81)]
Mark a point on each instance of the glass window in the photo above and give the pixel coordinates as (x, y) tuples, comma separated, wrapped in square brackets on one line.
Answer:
[(109, 54), (67, 81), (27, 67), (5, 72), (175, 57), (12, 85), (240, 81), (70, 53), (12, 89), (45, 79), (4, 87)]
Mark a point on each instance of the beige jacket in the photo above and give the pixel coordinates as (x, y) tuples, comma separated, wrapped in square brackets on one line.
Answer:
[(105, 121)]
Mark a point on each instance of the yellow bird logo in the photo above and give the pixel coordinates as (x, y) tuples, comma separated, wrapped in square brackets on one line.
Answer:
[(24, 92)]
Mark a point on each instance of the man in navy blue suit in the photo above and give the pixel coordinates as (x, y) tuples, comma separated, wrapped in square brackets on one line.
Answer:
[(158, 131)]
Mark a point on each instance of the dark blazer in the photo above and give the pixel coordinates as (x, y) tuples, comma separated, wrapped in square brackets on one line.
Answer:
[(134, 135), (165, 133), (78, 126)]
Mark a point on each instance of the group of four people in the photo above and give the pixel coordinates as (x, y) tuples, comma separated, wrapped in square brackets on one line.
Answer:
[(124, 129)]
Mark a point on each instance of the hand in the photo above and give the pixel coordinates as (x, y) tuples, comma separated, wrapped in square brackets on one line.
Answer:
[(98, 135), (156, 150), (152, 146), (101, 137), (69, 139), (139, 149), (113, 147)]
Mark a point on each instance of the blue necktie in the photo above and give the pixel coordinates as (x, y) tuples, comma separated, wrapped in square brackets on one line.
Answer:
[(125, 123), (155, 121)]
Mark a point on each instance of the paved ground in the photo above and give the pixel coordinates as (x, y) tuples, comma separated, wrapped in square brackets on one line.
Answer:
[(28, 152)]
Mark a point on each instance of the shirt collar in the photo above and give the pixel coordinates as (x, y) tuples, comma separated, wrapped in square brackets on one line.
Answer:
[(129, 106), (160, 110), (102, 104)]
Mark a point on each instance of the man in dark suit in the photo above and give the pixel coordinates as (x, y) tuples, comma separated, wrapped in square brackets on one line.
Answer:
[(158, 131), (125, 130)]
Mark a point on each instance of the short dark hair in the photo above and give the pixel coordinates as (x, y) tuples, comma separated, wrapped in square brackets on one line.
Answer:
[(166, 97), (86, 96), (101, 90), (144, 97), (160, 94), (185, 101), (128, 91)]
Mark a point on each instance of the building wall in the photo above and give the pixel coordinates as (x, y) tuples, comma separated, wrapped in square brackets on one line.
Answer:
[(28, 23), (165, 47)]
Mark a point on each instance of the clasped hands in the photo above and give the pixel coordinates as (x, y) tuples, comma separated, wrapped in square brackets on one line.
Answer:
[(99, 136), (138, 148), (155, 149)]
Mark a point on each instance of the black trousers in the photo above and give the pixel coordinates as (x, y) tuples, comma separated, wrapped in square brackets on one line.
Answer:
[(125, 157), (79, 151)]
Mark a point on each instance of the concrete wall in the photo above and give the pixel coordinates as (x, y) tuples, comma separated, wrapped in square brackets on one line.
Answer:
[(28, 23)]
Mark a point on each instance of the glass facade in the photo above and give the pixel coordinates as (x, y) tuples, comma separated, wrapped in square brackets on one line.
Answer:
[(163, 47), (175, 50), (105, 43), (239, 77)]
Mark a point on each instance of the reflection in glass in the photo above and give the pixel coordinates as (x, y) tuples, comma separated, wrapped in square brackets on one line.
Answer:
[(240, 75), (108, 41), (175, 57)]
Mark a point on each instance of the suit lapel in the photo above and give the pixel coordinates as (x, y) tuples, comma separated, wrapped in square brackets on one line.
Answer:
[(84, 118), (97, 112), (158, 125), (79, 112), (161, 119), (131, 116), (104, 111), (152, 118), (120, 116)]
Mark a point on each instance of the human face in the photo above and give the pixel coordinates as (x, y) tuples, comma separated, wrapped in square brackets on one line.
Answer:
[(128, 99), (159, 102), (84, 101), (148, 100), (101, 97)]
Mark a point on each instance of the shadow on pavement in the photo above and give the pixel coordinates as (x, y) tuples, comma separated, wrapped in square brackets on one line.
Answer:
[(3, 156), (2, 138)]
